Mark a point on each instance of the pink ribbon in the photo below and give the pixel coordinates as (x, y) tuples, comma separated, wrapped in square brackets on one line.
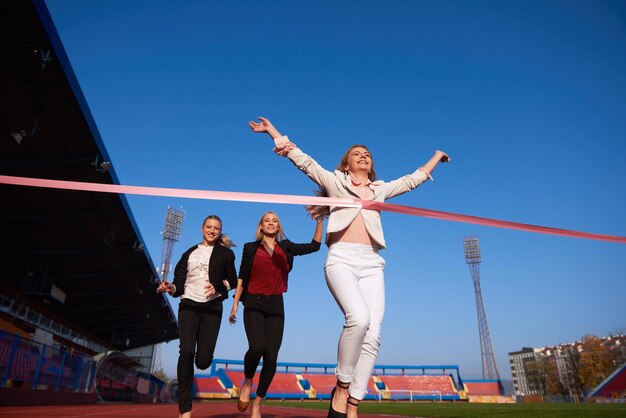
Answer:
[(301, 200)]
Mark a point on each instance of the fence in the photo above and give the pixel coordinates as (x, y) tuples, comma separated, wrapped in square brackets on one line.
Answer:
[(28, 364), (410, 394)]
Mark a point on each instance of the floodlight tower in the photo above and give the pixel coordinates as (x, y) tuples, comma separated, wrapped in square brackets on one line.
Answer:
[(472, 256), (171, 234)]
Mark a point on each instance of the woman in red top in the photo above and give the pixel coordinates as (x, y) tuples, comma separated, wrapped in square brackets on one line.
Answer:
[(265, 265)]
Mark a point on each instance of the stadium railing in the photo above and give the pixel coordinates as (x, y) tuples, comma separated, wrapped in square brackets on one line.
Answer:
[(412, 395), (28, 364)]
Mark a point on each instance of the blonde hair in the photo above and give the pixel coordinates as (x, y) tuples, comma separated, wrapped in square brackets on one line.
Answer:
[(280, 235), (223, 238)]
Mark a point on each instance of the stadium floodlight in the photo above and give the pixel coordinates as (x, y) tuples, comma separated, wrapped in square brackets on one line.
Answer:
[(171, 234), (473, 258), (173, 223), (472, 249)]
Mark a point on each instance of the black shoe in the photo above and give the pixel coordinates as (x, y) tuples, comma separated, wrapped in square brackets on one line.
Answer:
[(331, 412)]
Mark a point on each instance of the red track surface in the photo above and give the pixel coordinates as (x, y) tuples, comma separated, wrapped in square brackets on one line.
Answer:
[(200, 410)]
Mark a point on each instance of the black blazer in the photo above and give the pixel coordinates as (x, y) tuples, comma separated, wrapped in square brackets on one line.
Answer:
[(221, 267), (290, 249)]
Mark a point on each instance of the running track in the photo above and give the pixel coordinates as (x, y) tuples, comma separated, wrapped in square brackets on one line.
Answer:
[(200, 410)]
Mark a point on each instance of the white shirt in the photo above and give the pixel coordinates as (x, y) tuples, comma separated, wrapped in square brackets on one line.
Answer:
[(198, 275)]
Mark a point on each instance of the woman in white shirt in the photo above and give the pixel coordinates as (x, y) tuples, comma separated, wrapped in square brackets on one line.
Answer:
[(202, 279), (354, 267)]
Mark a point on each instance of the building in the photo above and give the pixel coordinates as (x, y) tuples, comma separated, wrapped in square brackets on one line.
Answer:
[(556, 370), (521, 362)]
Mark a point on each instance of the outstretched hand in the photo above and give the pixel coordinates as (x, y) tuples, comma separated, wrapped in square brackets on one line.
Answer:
[(263, 126), (443, 157)]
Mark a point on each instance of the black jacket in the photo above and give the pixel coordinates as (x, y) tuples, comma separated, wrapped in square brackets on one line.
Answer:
[(290, 249), (221, 267)]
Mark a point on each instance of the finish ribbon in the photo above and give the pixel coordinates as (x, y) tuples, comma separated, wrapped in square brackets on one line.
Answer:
[(301, 200)]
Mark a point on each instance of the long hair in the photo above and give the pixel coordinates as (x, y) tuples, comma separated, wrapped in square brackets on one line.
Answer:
[(280, 235), (344, 161), (223, 238), (321, 211)]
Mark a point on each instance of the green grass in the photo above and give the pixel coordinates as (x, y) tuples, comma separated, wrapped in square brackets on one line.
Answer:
[(476, 410)]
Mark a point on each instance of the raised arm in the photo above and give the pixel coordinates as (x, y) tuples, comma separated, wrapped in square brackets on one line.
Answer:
[(319, 223), (304, 162), (316, 242), (411, 181), (319, 228), (438, 157), (264, 125)]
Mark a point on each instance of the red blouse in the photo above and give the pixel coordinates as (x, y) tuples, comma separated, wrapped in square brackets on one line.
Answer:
[(269, 272)]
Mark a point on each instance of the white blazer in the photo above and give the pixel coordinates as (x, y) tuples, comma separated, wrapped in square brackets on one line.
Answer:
[(338, 184)]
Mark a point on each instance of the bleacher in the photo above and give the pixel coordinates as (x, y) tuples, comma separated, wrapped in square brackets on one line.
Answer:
[(483, 388), (322, 383), (419, 386), (292, 383), (210, 388), (237, 377), (285, 386)]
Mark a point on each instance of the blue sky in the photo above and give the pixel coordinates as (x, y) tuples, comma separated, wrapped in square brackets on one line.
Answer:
[(527, 97)]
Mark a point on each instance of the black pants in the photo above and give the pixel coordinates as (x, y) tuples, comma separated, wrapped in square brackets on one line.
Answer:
[(199, 325), (264, 320)]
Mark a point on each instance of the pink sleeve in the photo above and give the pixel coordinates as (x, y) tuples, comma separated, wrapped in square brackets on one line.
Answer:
[(283, 145)]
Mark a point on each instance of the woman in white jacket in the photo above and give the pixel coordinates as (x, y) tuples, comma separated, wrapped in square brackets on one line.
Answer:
[(354, 267)]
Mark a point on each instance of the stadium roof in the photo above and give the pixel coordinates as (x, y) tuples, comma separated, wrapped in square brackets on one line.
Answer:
[(84, 244)]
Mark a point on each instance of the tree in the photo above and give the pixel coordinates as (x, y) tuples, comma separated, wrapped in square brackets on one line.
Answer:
[(553, 383), (595, 363), (535, 376)]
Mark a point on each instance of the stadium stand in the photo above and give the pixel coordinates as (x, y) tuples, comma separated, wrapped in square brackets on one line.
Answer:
[(419, 386), (322, 383), (29, 365), (484, 387), (76, 278), (291, 382), (210, 388), (285, 385), (237, 377)]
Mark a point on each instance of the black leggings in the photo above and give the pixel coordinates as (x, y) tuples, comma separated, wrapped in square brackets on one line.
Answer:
[(199, 325), (264, 320)]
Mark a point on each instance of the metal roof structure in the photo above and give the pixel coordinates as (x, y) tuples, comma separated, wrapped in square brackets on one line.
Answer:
[(77, 257)]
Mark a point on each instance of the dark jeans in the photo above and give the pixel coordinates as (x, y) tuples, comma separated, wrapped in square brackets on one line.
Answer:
[(199, 325), (264, 320)]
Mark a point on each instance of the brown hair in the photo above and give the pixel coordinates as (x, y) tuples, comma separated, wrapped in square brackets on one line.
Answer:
[(344, 161), (223, 238)]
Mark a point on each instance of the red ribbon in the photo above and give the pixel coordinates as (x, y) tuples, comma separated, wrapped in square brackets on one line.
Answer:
[(302, 200)]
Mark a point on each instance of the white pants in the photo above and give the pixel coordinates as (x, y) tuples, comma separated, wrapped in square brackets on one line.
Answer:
[(355, 277)]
